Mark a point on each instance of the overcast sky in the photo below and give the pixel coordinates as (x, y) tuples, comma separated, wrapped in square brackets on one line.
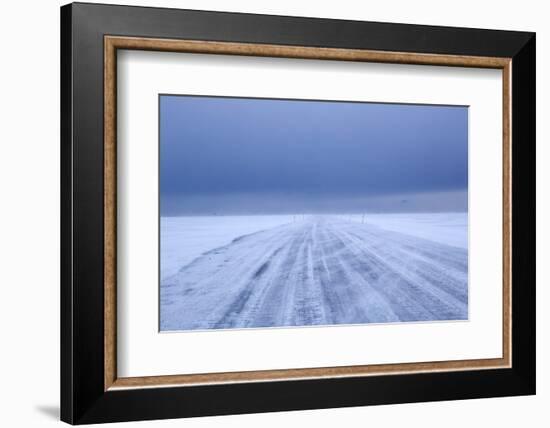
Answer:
[(257, 156)]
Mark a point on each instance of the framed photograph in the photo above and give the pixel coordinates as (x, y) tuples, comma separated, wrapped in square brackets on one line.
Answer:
[(265, 213)]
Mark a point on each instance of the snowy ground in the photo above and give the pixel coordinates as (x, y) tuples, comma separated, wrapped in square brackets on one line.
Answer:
[(445, 228), (237, 272), (183, 239)]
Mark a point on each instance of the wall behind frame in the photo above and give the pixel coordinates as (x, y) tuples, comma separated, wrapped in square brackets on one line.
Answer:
[(29, 218)]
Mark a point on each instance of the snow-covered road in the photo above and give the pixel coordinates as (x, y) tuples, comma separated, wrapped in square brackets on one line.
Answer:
[(318, 271)]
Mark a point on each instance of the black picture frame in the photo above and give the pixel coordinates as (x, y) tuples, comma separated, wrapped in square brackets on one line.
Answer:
[(83, 396)]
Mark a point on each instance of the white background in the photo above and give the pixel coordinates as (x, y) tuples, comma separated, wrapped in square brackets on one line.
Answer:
[(142, 351), (29, 226)]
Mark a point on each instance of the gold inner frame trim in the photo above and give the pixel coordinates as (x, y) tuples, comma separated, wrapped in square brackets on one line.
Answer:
[(113, 43)]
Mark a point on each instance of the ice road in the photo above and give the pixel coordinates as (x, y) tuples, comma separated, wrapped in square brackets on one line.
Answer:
[(320, 270)]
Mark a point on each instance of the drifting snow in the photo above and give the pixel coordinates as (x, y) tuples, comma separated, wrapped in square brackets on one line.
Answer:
[(445, 228), (183, 239), (316, 270)]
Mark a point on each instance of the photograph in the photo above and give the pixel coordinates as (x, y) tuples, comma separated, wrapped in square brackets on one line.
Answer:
[(294, 213)]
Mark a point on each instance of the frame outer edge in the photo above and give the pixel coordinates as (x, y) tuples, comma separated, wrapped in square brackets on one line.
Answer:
[(82, 394), (66, 161), (524, 216)]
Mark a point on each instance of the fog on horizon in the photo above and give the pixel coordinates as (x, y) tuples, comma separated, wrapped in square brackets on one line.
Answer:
[(231, 156)]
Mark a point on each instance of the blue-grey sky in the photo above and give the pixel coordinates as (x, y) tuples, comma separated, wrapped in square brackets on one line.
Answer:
[(260, 156)]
